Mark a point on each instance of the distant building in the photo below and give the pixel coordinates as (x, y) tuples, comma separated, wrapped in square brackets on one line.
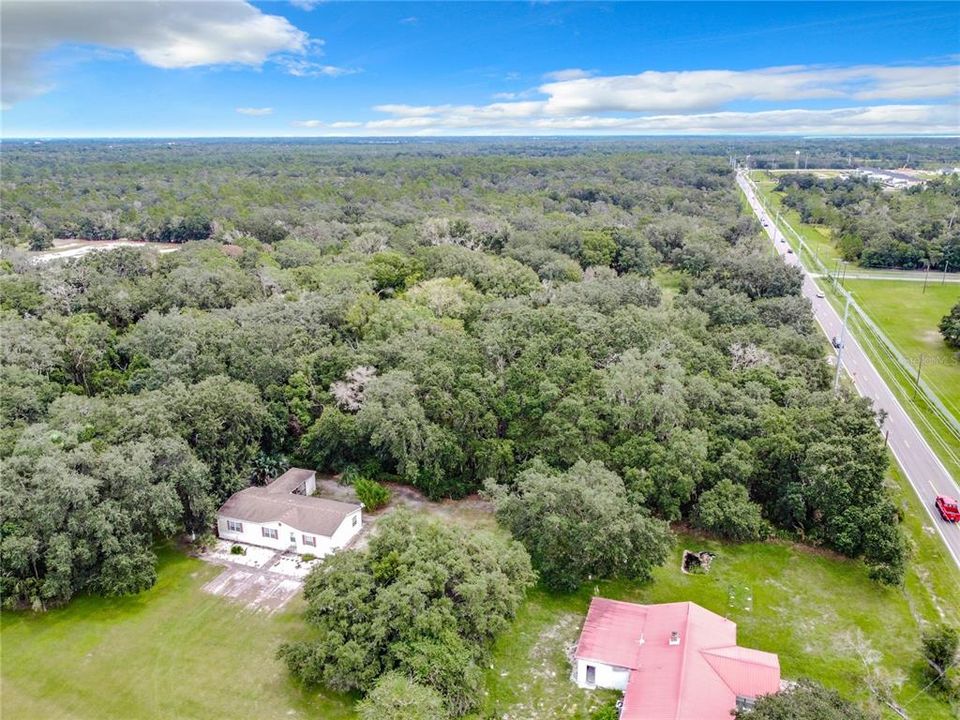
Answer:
[(675, 661), (284, 516), (891, 179)]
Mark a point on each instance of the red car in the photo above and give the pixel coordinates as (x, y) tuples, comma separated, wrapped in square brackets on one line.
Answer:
[(948, 508)]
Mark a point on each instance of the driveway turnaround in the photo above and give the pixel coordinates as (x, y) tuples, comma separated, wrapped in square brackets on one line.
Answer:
[(262, 579)]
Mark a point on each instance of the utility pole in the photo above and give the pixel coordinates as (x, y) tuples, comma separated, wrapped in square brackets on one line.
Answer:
[(946, 265), (843, 335), (916, 383)]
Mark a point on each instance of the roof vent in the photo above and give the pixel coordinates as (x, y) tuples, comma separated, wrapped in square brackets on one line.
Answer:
[(641, 641), (674, 638)]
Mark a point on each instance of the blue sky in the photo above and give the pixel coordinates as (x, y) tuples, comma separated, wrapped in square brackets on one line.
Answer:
[(113, 69)]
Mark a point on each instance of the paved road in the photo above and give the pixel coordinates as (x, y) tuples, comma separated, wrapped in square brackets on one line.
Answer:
[(933, 280), (920, 464)]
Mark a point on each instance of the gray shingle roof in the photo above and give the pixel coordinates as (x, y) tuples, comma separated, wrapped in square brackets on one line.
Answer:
[(277, 503)]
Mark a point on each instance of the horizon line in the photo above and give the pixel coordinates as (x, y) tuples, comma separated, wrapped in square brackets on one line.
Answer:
[(568, 136)]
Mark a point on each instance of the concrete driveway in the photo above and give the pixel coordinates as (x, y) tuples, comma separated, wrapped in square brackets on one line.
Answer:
[(262, 579)]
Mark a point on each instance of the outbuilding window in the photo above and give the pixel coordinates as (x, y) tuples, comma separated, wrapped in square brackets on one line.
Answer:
[(270, 533), (234, 526), (354, 520), (591, 675), (309, 540)]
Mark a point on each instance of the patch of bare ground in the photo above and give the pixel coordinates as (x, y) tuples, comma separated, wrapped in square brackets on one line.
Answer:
[(471, 511)]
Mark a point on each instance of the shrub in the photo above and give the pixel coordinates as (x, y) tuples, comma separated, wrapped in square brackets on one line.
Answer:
[(606, 712), (950, 327), (397, 697), (806, 700), (372, 494), (308, 557), (726, 509), (940, 647), (238, 550)]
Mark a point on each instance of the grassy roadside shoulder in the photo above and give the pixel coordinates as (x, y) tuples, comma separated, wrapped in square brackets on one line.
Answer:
[(937, 434)]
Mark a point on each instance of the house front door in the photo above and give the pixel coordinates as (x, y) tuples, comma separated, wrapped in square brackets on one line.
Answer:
[(293, 538)]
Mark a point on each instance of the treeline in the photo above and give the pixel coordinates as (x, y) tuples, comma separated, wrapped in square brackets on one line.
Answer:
[(506, 330), (174, 191), (877, 228)]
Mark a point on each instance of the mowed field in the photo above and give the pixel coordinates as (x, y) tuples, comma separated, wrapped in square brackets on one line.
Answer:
[(176, 652), (171, 652), (910, 318)]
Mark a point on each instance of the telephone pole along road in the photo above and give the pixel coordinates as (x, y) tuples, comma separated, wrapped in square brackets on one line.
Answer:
[(919, 463)]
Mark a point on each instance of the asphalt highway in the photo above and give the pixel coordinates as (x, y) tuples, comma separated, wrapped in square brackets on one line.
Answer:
[(919, 463)]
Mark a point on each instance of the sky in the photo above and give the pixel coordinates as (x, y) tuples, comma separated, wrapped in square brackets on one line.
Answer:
[(181, 68)]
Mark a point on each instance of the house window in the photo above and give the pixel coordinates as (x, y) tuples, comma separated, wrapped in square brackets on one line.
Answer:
[(591, 675), (234, 526), (354, 520), (309, 540), (269, 533), (745, 702)]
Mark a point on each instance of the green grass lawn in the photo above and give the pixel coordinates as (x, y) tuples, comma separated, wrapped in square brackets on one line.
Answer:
[(171, 652), (909, 317), (819, 238)]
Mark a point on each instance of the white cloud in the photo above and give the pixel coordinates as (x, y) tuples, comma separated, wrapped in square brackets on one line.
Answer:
[(338, 125), (692, 102), (306, 5), (163, 34), (865, 120), (569, 74), (655, 91), (412, 20), (299, 67), (255, 112)]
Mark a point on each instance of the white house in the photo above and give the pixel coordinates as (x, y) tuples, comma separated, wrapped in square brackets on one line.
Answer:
[(284, 516)]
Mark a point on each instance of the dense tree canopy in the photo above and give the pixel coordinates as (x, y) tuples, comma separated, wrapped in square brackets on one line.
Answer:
[(581, 524), (434, 314), (908, 229), (424, 600)]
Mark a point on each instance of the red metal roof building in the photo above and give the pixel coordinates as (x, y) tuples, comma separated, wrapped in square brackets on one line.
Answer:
[(676, 661)]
